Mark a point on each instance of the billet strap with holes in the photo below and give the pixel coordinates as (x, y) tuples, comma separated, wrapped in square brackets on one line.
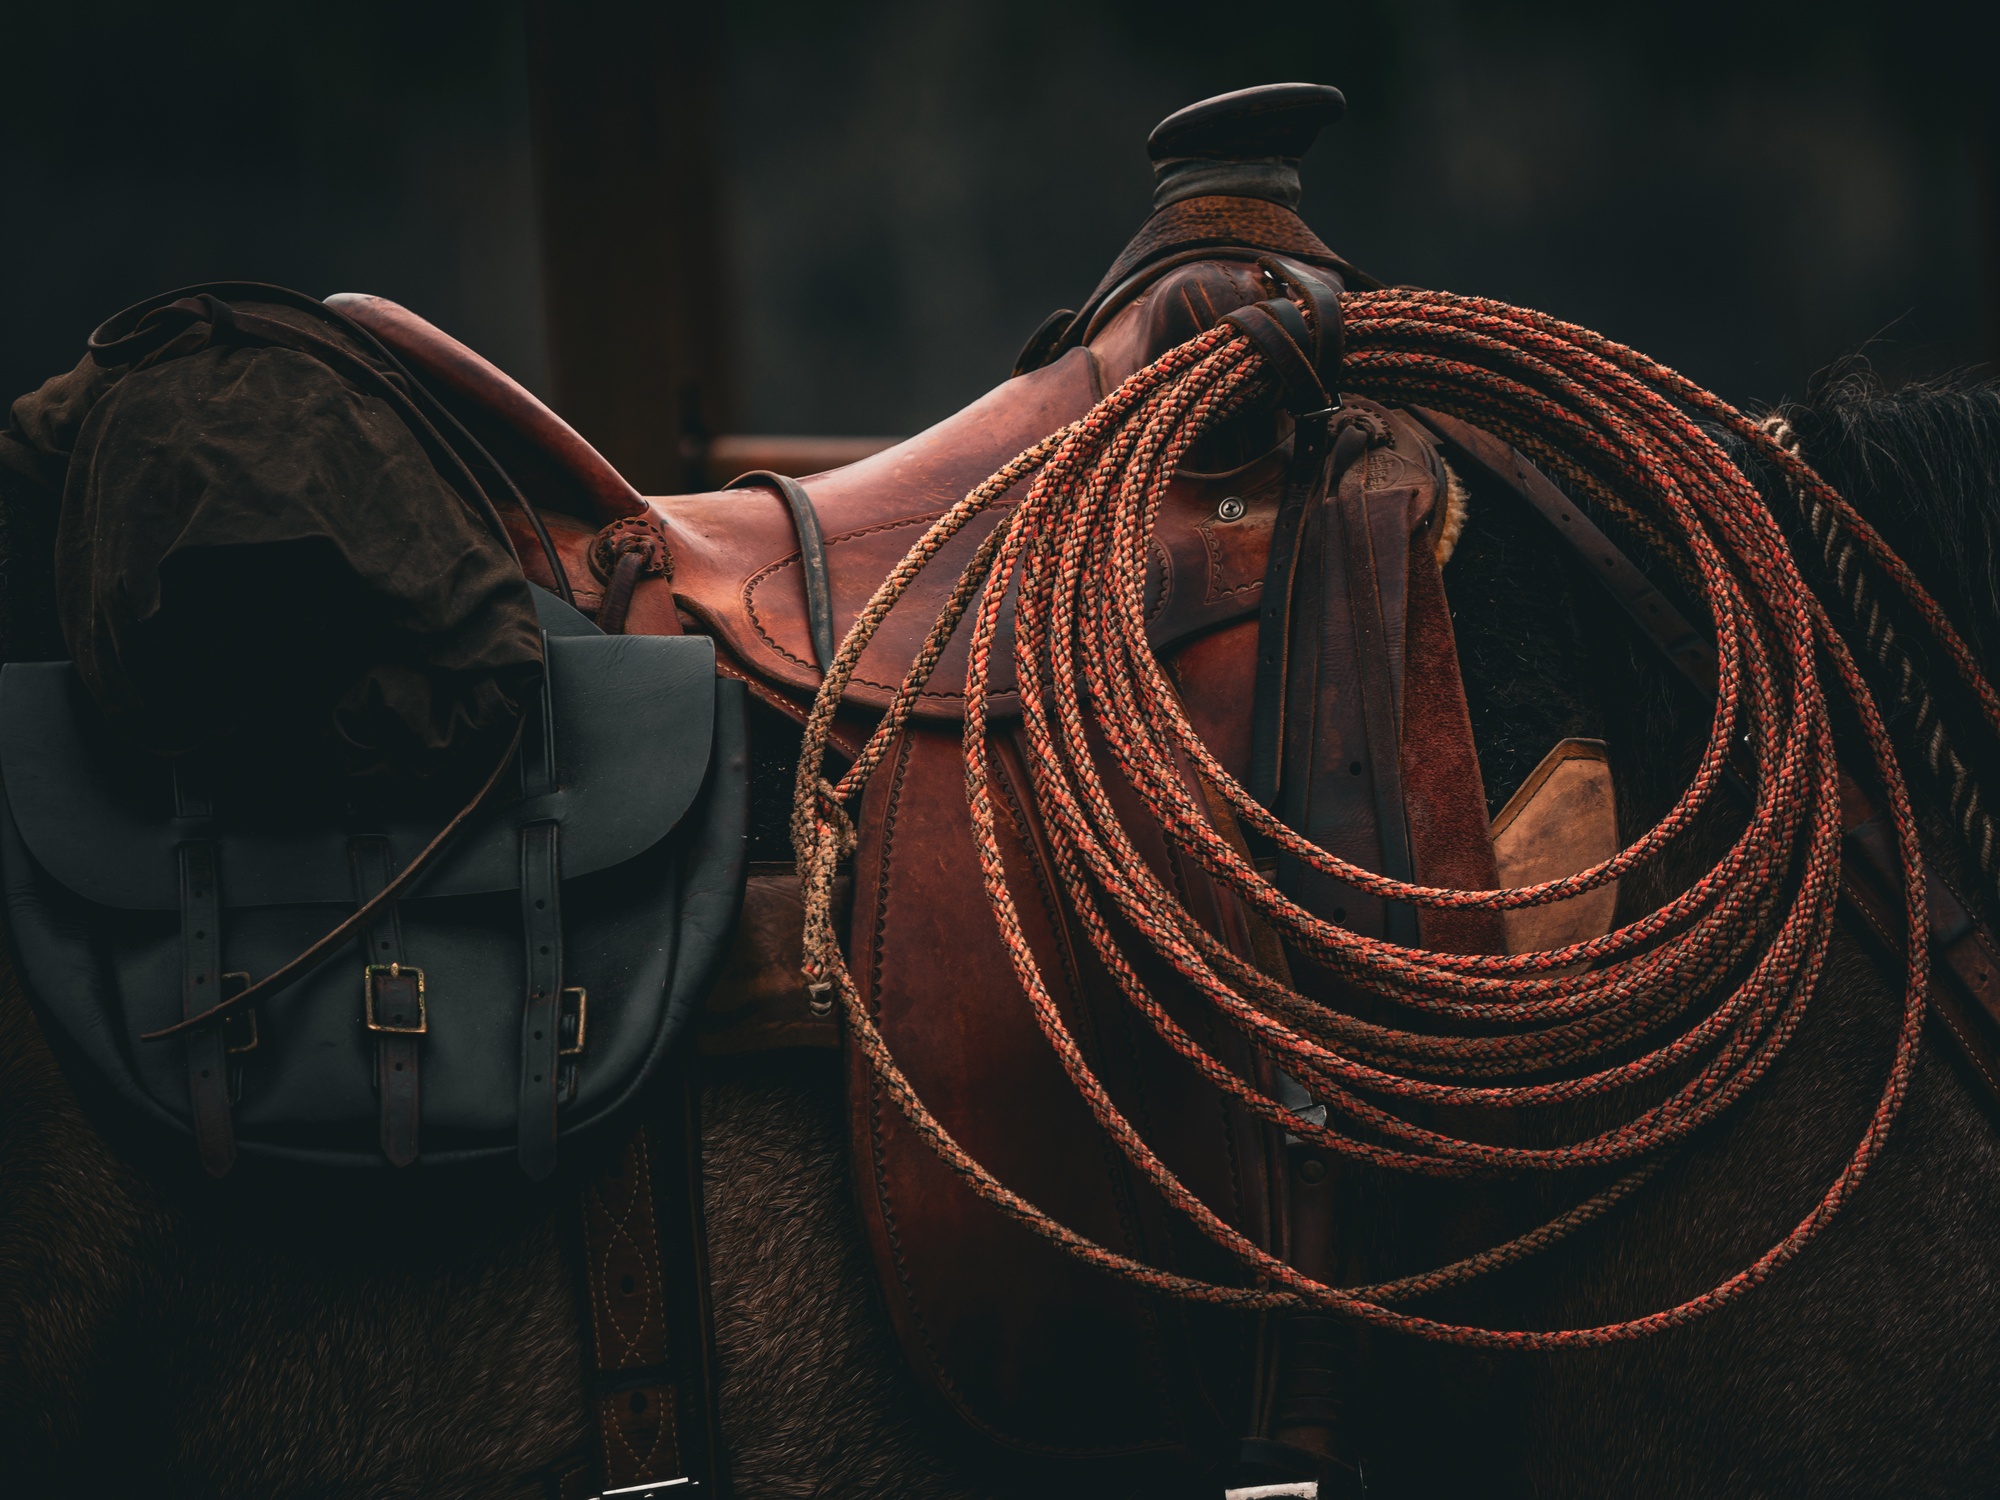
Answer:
[(541, 1009), (201, 988), (392, 1004), (1338, 700)]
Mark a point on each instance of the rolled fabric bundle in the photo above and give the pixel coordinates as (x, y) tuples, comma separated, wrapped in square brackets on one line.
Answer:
[(256, 550)]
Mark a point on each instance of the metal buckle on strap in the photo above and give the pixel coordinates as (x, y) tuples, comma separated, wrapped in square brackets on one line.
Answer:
[(397, 1023), (573, 1024), (239, 1028)]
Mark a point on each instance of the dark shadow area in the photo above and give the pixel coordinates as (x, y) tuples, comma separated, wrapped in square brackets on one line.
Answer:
[(1746, 192)]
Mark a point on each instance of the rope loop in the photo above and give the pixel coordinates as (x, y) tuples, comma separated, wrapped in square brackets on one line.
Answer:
[(1669, 1020)]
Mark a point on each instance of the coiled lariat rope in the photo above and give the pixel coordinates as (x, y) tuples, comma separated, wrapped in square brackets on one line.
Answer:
[(1723, 972)]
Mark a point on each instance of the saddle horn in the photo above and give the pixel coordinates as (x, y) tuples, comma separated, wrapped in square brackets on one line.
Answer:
[(1226, 187)]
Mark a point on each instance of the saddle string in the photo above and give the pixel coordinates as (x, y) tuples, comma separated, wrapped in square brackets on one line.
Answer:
[(1623, 430)]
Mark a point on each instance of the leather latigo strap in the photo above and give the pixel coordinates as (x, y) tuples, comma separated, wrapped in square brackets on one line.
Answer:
[(393, 1004), (1966, 977), (541, 1008), (1361, 740), (201, 986)]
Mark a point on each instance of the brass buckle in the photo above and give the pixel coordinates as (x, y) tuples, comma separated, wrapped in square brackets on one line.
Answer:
[(574, 1048), (396, 1027), (241, 1023)]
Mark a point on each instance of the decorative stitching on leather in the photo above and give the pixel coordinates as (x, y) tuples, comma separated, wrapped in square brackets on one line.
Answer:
[(750, 603), (1207, 532), (664, 1450), (634, 1177)]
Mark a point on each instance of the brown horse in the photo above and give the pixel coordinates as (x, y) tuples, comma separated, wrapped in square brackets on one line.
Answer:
[(169, 1339)]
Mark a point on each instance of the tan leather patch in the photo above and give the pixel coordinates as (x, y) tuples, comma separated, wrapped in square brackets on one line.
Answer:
[(1563, 819)]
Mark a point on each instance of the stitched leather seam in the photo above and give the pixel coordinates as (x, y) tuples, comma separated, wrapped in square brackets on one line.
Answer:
[(1208, 539), (1166, 561), (791, 558)]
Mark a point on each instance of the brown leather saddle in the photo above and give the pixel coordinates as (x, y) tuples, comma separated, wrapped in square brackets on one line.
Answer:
[(1035, 1354), (1295, 594)]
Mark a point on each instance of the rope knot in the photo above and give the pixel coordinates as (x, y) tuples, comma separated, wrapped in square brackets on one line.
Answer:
[(1371, 428), (634, 535)]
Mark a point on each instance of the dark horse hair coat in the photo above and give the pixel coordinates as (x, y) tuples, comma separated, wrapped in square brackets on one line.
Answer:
[(155, 1338)]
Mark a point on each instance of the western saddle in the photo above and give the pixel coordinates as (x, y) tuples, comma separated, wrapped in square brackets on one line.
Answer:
[(1033, 1352), (1305, 627)]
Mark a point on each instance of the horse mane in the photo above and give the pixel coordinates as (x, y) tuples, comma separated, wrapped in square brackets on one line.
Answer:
[(1922, 462)]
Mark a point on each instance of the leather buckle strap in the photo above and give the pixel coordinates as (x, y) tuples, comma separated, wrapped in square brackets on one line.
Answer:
[(392, 1005), (394, 1000), (286, 972), (1279, 331), (201, 989), (541, 1011), (812, 555), (1303, 487)]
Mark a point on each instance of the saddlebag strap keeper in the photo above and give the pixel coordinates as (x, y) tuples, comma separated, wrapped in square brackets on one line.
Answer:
[(392, 1005), (201, 986), (541, 1012)]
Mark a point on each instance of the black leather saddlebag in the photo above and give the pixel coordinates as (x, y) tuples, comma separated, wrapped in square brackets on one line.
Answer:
[(524, 988)]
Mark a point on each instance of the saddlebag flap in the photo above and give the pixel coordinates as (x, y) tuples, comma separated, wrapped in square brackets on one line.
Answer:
[(525, 987)]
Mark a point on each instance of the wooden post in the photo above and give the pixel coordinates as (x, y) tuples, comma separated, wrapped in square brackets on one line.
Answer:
[(631, 266)]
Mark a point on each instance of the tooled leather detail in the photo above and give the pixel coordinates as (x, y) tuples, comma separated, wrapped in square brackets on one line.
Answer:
[(628, 1319), (633, 534), (1261, 518)]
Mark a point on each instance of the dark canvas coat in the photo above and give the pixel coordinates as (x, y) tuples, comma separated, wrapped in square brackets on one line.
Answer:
[(253, 548)]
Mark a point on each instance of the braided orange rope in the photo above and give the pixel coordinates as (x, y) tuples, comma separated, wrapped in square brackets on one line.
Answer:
[(1696, 999)]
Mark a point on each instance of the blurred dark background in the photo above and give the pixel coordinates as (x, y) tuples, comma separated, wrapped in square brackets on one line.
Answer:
[(674, 220)]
